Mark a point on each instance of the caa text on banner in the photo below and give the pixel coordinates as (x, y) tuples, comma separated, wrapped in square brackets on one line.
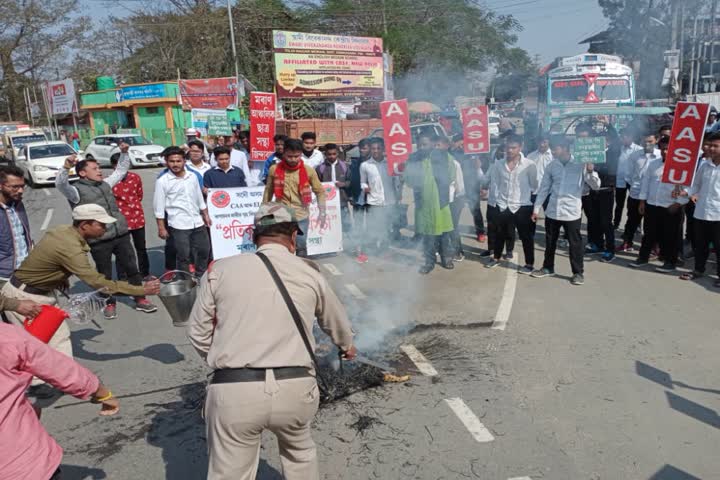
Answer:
[(476, 130), (262, 125), (685, 142), (396, 131), (325, 240), (232, 211)]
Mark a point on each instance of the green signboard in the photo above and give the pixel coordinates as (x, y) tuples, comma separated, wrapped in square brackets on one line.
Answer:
[(589, 150), (218, 125)]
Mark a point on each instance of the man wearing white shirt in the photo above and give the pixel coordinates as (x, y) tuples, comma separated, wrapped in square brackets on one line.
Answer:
[(197, 157), (637, 165), (311, 155), (563, 184), (179, 197), (662, 207), (627, 150), (542, 158), (381, 195), (511, 182), (705, 194)]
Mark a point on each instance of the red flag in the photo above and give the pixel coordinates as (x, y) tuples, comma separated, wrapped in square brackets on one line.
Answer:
[(685, 142), (476, 130), (262, 125), (396, 131)]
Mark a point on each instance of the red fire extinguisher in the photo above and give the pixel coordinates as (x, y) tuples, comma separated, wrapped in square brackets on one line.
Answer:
[(44, 326)]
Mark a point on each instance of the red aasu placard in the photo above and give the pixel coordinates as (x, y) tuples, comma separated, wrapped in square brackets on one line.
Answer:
[(476, 131), (685, 142), (396, 130), (262, 125)]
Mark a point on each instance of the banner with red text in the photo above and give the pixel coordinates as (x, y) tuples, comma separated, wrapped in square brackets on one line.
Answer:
[(328, 239), (215, 93), (476, 129), (61, 97), (396, 132), (685, 142), (262, 125)]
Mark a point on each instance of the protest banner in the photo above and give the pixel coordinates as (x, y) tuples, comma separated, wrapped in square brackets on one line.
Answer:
[(685, 142), (310, 65), (232, 211), (219, 125), (589, 150), (476, 129), (328, 239), (262, 125), (396, 131), (61, 96), (213, 93)]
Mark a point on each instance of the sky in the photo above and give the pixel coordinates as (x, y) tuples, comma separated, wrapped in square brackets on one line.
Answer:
[(552, 28)]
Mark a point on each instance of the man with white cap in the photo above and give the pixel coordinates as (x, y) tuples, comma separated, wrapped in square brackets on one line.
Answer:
[(60, 254)]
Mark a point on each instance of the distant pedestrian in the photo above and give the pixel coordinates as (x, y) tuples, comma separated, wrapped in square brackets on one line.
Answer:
[(196, 157), (311, 155), (336, 171), (628, 150), (223, 175), (275, 157)]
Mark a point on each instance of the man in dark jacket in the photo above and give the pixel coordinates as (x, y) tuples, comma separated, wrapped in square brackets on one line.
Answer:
[(93, 189), (335, 170), (15, 240)]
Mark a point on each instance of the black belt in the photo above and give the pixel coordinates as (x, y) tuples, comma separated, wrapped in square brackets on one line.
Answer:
[(234, 375), (27, 288)]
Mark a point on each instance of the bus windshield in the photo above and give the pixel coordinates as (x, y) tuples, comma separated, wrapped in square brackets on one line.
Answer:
[(576, 90)]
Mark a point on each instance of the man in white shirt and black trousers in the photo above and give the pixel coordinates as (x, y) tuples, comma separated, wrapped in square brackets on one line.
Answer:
[(705, 194), (661, 204), (563, 182), (512, 182), (178, 195)]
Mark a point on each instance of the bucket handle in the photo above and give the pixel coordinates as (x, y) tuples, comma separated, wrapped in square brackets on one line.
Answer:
[(177, 271)]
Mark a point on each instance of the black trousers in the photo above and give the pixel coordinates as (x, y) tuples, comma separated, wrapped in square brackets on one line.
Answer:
[(506, 221), (634, 220), (508, 237), (662, 226), (102, 253), (138, 240), (433, 244), (194, 245), (620, 196), (572, 231), (601, 219), (476, 210), (706, 232), (456, 209), (690, 224)]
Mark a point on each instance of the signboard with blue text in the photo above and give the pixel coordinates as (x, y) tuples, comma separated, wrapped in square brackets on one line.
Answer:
[(140, 92)]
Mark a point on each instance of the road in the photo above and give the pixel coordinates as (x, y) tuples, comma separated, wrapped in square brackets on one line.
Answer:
[(513, 377)]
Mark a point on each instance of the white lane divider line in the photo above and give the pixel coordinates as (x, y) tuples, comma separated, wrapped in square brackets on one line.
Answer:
[(332, 269), (520, 478), (46, 191), (503, 312), (48, 216), (355, 291), (422, 363), (470, 420)]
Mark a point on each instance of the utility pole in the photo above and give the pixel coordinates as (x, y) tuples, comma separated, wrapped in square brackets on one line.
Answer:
[(682, 49), (234, 49), (384, 20), (713, 12)]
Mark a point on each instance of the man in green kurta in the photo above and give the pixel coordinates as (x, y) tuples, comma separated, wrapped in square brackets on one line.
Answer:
[(429, 173)]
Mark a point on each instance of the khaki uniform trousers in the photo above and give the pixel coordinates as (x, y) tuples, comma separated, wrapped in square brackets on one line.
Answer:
[(236, 415)]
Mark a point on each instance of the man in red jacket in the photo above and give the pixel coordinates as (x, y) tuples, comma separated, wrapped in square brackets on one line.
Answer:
[(129, 196)]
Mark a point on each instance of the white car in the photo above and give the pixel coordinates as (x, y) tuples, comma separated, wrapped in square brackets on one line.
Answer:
[(143, 153), (42, 161)]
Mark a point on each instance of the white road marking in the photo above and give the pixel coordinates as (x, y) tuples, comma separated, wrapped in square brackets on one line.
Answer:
[(46, 222), (520, 478), (503, 312), (332, 269), (470, 420), (355, 291), (422, 363), (46, 191)]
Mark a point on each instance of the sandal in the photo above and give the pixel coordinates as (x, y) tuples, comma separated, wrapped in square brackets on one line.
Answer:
[(691, 276)]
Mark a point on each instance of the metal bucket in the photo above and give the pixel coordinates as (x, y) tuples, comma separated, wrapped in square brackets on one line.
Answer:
[(178, 296)]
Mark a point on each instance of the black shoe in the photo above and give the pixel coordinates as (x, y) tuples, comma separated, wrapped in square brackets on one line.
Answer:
[(448, 265), (637, 263), (486, 253), (425, 269), (666, 268)]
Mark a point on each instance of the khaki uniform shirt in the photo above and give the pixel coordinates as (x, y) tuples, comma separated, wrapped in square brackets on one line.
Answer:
[(61, 253), (241, 320), (291, 193), (8, 303)]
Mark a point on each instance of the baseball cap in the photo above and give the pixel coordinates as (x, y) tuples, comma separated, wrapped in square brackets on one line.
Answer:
[(92, 211), (272, 213)]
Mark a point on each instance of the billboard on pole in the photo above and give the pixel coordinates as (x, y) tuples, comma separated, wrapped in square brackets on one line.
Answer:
[(61, 96), (213, 93), (309, 65)]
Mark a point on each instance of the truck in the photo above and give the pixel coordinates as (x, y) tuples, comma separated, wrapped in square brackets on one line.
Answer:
[(340, 132), (14, 140)]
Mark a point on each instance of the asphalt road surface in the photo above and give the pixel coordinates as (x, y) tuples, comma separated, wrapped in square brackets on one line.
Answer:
[(512, 377)]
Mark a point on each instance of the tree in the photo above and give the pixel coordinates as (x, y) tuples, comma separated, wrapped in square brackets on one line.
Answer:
[(33, 37)]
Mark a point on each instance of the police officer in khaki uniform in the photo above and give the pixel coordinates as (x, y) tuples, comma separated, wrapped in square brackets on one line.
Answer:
[(263, 375)]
